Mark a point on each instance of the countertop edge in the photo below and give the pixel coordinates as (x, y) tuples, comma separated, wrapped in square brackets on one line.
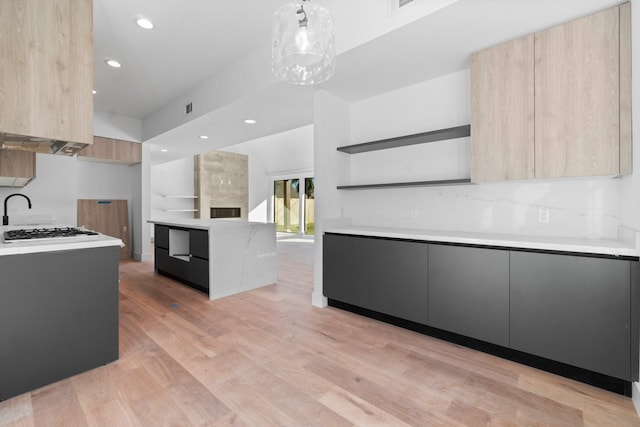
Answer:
[(560, 244), (21, 249)]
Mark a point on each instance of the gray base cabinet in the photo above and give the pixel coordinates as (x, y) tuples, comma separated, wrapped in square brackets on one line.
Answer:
[(469, 292), (573, 309), (191, 265), (578, 310), (386, 276), (58, 316)]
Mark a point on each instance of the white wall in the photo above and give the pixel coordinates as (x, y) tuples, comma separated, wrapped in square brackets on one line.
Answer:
[(110, 125), (53, 192)]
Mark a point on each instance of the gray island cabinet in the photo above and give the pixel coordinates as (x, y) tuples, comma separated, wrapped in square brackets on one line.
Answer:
[(58, 311), (219, 257), (575, 314)]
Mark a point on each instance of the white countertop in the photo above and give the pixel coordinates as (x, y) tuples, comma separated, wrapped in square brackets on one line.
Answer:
[(62, 244), (205, 224), (623, 247)]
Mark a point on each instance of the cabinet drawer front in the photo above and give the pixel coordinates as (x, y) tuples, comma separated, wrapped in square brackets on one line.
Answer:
[(199, 243), (171, 265), (199, 273), (469, 292), (572, 309), (161, 236)]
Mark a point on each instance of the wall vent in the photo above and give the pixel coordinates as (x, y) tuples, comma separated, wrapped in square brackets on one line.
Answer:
[(396, 5)]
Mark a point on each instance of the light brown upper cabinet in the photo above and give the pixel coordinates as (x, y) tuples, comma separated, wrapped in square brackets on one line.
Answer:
[(502, 132), (581, 104), (46, 81), (17, 168), (112, 150)]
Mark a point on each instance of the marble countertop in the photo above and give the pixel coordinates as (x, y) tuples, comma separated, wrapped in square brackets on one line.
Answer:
[(624, 246), (207, 224), (63, 244)]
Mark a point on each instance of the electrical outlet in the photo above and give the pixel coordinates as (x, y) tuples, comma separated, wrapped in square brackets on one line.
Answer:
[(544, 216)]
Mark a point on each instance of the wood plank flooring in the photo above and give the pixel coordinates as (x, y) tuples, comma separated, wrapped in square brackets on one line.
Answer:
[(268, 358)]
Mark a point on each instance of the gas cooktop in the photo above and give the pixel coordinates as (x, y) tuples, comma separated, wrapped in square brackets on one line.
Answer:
[(30, 234)]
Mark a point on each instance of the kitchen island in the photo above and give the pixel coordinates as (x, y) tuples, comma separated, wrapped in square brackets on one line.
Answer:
[(219, 257), (58, 309)]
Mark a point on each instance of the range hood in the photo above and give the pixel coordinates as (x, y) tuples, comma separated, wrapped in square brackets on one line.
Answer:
[(39, 145)]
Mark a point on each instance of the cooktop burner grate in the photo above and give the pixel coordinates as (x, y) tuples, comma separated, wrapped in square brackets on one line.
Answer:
[(46, 233)]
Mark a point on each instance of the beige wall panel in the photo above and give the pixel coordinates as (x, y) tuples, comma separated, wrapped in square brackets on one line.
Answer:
[(502, 103), (221, 181), (577, 95)]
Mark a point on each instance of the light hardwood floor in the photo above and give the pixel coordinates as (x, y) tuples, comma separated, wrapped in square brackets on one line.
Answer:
[(268, 358)]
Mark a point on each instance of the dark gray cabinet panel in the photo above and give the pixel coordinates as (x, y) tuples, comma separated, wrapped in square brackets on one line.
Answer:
[(469, 292), (193, 270), (387, 276), (161, 236), (58, 316), (199, 243), (573, 309), (172, 265)]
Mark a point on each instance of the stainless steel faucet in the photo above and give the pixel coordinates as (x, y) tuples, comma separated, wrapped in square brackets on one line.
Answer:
[(5, 218)]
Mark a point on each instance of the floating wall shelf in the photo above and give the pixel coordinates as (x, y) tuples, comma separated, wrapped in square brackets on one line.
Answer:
[(401, 141), (463, 181)]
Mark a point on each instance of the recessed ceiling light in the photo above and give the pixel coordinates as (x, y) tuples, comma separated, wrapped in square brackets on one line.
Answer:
[(164, 150), (113, 63), (204, 137), (94, 92), (144, 23), (250, 121)]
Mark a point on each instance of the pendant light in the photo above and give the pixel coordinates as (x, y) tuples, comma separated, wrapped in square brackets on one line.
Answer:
[(303, 45)]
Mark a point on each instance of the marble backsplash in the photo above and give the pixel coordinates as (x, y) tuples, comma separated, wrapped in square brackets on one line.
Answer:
[(575, 207)]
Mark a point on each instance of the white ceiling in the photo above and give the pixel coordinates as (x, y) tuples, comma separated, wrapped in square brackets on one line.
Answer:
[(219, 51)]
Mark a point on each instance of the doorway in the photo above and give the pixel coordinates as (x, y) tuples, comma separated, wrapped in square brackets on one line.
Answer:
[(294, 205)]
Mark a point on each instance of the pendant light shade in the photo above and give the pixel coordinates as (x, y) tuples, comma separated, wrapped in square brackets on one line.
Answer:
[(302, 44)]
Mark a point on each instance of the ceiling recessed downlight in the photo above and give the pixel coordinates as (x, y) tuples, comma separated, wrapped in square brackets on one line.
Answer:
[(204, 137), (113, 63), (250, 121), (164, 150), (94, 92), (144, 23)]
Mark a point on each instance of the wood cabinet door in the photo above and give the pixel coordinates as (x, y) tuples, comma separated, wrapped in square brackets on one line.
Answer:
[(110, 217), (577, 97), (111, 150), (47, 69), (502, 103), (17, 163)]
